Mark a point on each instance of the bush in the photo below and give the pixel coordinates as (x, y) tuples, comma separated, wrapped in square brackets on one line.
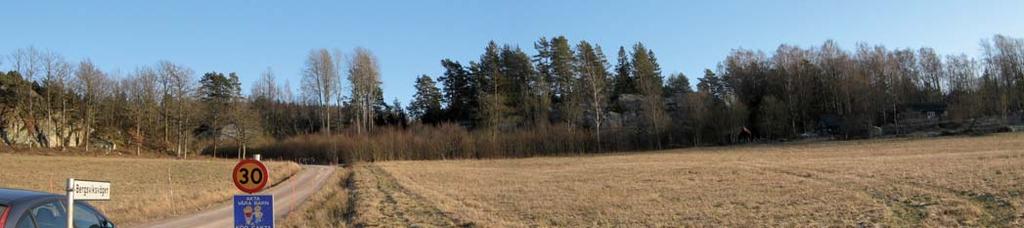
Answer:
[(444, 141)]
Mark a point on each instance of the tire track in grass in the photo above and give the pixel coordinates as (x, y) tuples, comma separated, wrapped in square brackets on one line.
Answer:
[(350, 188), (381, 201)]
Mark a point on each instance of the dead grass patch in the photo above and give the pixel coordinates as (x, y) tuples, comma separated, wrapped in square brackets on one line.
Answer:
[(380, 200), (142, 189), (327, 208), (950, 181)]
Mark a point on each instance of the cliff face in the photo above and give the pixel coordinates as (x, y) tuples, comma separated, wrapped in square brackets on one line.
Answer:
[(41, 132)]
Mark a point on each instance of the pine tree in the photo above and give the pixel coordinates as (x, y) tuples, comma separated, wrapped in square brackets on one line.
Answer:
[(218, 93), (426, 104), (542, 61), (649, 85), (492, 112), (623, 83), (677, 84), (460, 92), (561, 66), (542, 83), (567, 99), (517, 69), (713, 85)]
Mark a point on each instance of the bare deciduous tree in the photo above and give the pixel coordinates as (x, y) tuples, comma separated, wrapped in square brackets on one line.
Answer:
[(90, 79), (178, 88), (57, 72), (364, 74), (266, 87), (321, 79), (141, 91), (592, 67), (28, 62)]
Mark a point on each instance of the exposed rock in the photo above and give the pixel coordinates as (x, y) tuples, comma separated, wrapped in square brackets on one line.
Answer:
[(43, 133), (630, 104)]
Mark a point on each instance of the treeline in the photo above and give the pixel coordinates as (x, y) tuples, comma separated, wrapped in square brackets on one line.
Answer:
[(565, 98), (47, 101), (823, 90), (568, 99)]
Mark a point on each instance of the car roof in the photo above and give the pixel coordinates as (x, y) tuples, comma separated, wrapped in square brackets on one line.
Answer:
[(8, 195)]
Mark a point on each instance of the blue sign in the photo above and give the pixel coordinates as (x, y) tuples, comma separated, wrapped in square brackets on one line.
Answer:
[(254, 211)]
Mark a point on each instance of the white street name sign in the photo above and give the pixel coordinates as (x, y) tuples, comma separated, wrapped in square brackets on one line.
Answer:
[(90, 190)]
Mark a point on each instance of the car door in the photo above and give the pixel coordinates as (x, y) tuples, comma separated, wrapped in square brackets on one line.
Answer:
[(26, 221), (86, 217)]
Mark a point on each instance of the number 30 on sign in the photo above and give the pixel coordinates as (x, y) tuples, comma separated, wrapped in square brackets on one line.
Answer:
[(250, 176)]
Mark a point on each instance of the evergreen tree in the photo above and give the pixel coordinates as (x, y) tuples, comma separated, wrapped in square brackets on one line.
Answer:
[(724, 113), (460, 92), (426, 104), (623, 83), (542, 61), (516, 67), (649, 85), (567, 99), (391, 115), (677, 84), (561, 66), (542, 82), (15, 94), (490, 81), (218, 94), (713, 85)]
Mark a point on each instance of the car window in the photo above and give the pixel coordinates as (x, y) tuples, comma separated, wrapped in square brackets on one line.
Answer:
[(26, 221), (85, 217), (50, 215)]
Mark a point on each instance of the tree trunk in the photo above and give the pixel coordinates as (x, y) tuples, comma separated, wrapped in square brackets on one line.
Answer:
[(216, 137), (138, 133), (88, 129)]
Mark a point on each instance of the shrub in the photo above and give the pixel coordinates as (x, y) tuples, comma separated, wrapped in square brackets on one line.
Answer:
[(444, 141)]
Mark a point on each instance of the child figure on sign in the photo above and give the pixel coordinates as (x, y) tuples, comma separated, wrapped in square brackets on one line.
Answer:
[(248, 212), (258, 213)]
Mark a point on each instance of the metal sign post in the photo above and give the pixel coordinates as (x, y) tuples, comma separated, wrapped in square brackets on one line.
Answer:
[(84, 190), (71, 202)]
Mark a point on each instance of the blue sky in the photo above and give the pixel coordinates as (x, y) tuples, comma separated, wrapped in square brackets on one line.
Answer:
[(411, 37)]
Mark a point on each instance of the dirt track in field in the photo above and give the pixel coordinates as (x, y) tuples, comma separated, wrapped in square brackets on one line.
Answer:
[(379, 200)]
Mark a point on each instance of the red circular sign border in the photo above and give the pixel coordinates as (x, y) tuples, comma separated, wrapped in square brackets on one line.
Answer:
[(266, 176)]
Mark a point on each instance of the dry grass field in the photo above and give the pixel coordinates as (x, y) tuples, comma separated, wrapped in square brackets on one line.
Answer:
[(326, 208), (142, 189), (949, 181)]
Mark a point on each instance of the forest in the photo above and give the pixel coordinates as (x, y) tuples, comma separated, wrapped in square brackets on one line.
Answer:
[(562, 98)]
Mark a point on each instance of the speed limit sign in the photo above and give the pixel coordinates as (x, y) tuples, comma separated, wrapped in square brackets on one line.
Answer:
[(250, 176)]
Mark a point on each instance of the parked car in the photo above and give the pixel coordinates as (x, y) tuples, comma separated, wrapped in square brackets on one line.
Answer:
[(31, 209)]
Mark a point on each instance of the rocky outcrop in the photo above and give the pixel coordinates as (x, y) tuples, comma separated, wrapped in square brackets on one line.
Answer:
[(631, 104), (41, 133)]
